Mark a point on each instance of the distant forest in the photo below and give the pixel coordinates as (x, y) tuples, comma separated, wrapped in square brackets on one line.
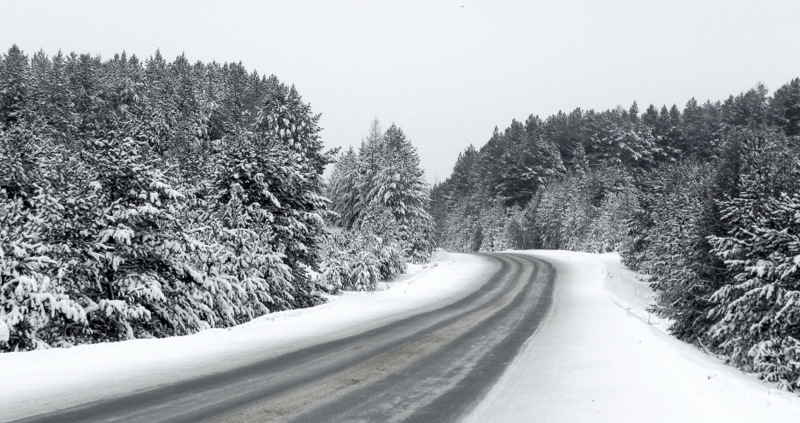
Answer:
[(155, 198), (703, 200)]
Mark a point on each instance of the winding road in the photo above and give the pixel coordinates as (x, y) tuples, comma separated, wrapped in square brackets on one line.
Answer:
[(433, 366)]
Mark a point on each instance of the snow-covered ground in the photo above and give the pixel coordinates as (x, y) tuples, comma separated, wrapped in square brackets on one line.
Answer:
[(598, 357), (601, 357), (40, 381)]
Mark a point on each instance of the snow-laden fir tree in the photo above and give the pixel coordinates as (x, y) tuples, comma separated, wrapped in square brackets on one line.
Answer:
[(667, 231), (757, 312), (380, 199), (400, 187), (342, 190), (385, 174), (36, 302), (134, 240), (288, 132)]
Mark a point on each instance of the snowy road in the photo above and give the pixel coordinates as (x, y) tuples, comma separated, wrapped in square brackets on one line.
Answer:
[(599, 356), (450, 341), (433, 365)]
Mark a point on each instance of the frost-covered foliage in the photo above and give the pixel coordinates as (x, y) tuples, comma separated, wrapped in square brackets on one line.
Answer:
[(34, 302), (622, 139), (379, 197), (586, 211), (37, 300), (478, 207), (155, 199), (702, 200), (342, 190), (757, 311), (711, 237), (399, 187), (358, 258), (667, 240)]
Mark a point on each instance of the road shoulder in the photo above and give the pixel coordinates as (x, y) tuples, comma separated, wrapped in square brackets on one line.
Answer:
[(595, 360)]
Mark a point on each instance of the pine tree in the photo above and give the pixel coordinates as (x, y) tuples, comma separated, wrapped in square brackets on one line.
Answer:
[(35, 304), (785, 108), (342, 189), (13, 86), (400, 187), (756, 312)]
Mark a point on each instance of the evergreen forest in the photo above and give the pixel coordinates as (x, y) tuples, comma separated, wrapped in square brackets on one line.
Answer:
[(704, 201), (151, 198)]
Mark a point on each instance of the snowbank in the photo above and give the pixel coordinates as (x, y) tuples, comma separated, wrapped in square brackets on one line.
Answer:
[(39, 381), (596, 359), (629, 290)]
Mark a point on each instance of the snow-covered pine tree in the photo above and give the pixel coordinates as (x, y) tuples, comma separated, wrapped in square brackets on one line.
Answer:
[(461, 228), (621, 141), (514, 230), (493, 223), (607, 232), (288, 133), (757, 312), (129, 269), (35, 306), (246, 186), (370, 161), (666, 240), (785, 108), (14, 86), (400, 187), (342, 190), (381, 199)]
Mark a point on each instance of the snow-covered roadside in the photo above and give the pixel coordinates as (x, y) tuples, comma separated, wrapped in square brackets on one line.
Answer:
[(596, 359), (629, 290), (40, 381)]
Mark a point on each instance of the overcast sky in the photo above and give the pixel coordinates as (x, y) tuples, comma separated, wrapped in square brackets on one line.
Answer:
[(447, 72)]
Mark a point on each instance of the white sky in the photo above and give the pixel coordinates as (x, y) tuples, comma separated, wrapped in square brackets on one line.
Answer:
[(447, 72)]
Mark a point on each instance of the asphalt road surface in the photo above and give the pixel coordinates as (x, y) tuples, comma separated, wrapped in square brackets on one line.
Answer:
[(430, 367)]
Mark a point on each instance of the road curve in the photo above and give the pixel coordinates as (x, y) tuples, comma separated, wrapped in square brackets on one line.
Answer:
[(432, 366)]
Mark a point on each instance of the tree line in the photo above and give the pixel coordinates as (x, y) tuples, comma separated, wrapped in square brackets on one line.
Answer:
[(704, 200), (152, 198)]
